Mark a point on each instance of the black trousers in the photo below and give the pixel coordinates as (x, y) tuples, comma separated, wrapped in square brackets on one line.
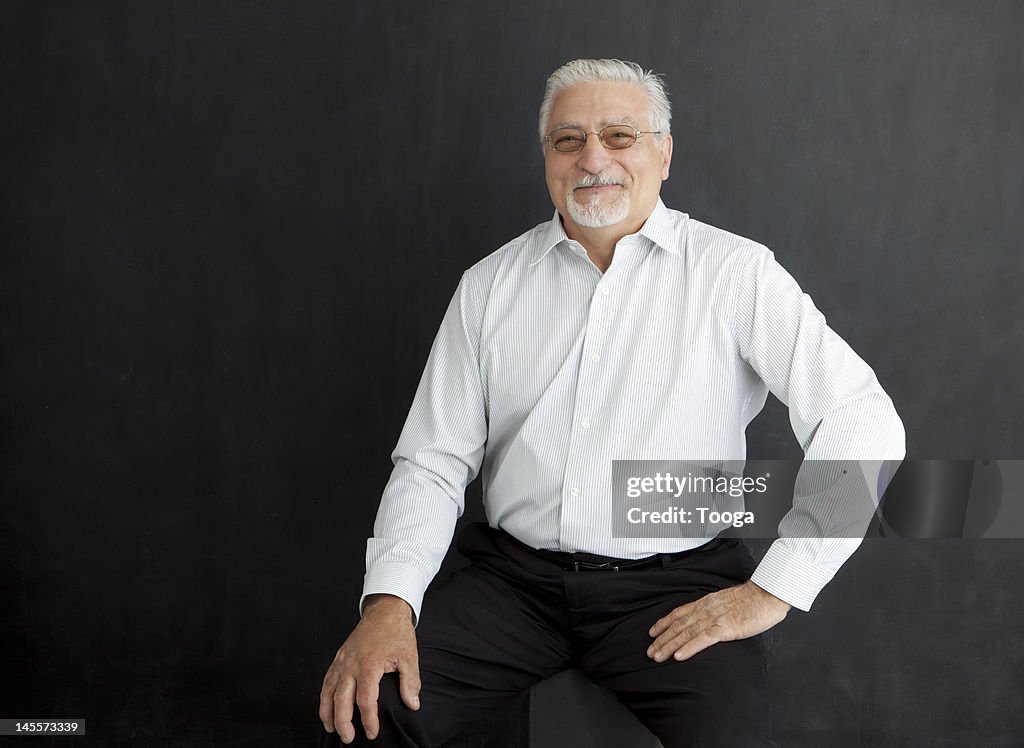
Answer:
[(516, 616)]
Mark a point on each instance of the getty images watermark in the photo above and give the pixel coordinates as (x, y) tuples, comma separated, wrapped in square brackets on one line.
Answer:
[(678, 491), (818, 498)]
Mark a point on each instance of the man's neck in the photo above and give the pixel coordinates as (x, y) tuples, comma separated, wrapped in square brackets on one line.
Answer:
[(599, 242)]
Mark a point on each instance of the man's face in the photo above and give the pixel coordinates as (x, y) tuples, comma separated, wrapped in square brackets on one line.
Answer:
[(598, 187)]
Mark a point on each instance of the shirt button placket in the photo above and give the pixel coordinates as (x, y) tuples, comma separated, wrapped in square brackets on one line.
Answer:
[(574, 475)]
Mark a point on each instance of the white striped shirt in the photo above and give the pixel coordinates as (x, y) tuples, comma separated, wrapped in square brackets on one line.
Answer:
[(545, 370)]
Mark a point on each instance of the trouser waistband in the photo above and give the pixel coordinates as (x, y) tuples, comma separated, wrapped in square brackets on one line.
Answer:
[(591, 562)]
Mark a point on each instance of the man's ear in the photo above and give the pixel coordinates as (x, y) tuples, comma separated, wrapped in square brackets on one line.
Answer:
[(666, 155)]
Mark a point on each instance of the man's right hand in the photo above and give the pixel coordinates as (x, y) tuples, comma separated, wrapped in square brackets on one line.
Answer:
[(384, 641)]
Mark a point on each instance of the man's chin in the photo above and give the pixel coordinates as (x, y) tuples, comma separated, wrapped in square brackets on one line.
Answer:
[(597, 219)]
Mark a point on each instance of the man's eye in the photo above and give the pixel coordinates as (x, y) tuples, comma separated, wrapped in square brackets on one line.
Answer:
[(619, 136), (568, 139)]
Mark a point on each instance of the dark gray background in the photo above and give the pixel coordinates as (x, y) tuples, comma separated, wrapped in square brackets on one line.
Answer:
[(229, 230)]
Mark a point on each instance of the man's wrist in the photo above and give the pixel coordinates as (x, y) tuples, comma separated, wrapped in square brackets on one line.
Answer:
[(772, 598), (384, 604)]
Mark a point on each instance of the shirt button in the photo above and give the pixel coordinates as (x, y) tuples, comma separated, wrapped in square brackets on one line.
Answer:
[(574, 491), (585, 423), (605, 290), (595, 357)]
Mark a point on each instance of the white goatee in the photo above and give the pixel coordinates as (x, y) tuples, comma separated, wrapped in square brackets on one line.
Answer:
[(598, 211)]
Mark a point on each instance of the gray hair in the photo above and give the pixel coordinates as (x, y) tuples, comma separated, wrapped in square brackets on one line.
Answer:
[(614, 71)]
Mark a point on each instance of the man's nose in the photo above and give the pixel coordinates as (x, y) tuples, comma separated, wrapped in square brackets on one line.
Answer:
[(594, 157)]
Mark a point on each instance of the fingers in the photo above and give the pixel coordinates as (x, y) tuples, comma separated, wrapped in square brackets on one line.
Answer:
[(661, 626), (327, 699), (409, 682), (348, 686), (686, 642), (336, 699), (366, 698), (684, 650), (693, 627), (343, 705), (681, 625), (384, 644), (729, 614), (341, 695)]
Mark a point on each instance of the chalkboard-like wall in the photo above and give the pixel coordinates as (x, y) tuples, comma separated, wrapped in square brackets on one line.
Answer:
[(229, 230)]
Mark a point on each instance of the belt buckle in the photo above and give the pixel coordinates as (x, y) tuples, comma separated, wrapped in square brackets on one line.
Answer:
[(590, 566)]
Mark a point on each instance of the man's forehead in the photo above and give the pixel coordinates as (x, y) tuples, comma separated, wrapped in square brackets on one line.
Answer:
[(623, 119), (599, 104)]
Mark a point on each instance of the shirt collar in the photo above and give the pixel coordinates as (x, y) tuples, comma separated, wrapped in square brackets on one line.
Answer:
[(659, 228), (665, 232), (550, 238)]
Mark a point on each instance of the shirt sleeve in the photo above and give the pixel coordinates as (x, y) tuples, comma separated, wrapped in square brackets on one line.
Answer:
[(839, 414), (438, 454)]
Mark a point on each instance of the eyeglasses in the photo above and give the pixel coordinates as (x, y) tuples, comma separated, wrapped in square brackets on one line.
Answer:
[(612, 137)]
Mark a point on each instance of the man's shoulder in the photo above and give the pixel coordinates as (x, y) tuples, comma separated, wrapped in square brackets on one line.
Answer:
[(708, 242), (518, 252)]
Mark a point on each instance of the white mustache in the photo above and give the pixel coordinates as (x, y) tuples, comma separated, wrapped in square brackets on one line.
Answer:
[(595, 180)]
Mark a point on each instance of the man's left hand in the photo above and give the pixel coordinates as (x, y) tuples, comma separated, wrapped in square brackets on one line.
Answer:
[(733, 613)]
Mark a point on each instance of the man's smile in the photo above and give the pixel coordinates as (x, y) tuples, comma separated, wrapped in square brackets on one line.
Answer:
[(597, 188)]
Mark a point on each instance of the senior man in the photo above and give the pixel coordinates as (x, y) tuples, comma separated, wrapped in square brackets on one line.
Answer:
[(619, 329)]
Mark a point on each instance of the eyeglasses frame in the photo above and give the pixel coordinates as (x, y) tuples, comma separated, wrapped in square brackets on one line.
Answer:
[(636, 137)]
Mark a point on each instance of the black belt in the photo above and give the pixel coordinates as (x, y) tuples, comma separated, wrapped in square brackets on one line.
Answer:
[(591, 562)]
